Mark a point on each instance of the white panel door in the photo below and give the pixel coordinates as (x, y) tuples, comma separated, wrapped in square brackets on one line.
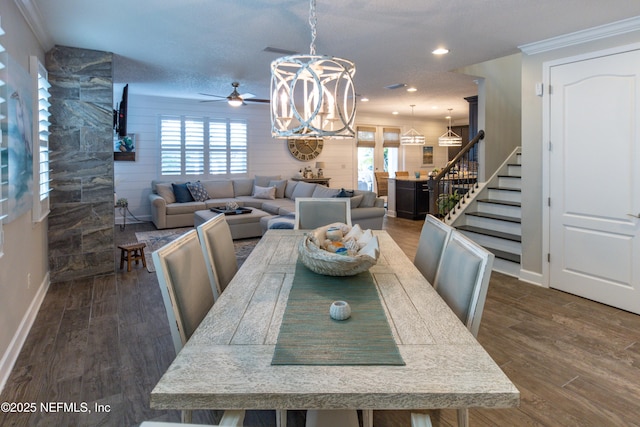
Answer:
[(594, 179)]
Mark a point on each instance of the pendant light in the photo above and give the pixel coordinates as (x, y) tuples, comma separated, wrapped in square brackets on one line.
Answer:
[(412, 136), (312, 96), (450, 138)]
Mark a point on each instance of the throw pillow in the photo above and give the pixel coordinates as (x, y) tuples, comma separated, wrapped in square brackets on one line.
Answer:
[(368, 199), (197, 191), (166, 192), (268, 193), (280, 187), (356, 200), (344, 193), (182, 193)]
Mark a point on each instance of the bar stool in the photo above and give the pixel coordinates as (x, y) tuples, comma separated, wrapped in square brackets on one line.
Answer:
[(132, 252)]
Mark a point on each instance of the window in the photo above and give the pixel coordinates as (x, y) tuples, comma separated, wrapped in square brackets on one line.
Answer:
[(4, 169), (41, 129), (366, 142), (390, 145), (202, 146)]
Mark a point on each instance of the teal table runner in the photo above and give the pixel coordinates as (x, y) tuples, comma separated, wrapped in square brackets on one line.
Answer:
[(308, 336)]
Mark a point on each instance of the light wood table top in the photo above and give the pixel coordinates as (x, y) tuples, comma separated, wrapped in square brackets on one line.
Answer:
[(227, 362)]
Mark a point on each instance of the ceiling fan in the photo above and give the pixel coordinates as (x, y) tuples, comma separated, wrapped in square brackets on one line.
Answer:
[(235, 99)]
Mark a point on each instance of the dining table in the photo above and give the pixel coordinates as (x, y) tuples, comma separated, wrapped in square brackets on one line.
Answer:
[(229, 363)]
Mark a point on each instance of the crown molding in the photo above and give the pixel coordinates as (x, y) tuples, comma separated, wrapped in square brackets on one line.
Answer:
[(35, 21), (583, 36)]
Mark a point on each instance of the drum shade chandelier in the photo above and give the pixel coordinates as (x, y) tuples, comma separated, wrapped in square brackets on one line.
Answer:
[(412, 136), (450, 138), (312, 96)]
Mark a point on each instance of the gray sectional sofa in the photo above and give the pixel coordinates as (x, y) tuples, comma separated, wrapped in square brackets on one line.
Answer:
[(171, 207)]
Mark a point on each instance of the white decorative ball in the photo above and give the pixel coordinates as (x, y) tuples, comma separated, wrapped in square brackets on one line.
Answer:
[(340, 310)]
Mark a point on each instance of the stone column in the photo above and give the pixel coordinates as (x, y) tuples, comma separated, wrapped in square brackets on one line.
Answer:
[(81, 223)]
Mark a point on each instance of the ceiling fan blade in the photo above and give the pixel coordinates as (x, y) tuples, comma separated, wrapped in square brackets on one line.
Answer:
[(215, 96), (247, 95), (258, 100)]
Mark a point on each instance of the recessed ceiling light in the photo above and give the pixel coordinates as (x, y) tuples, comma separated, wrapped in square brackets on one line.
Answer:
[(411, 89), (364, 99), (395, 113), (440, 51), (435, 107)]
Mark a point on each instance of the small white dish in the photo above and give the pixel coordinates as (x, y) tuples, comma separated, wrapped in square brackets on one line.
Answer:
[(340, 310)]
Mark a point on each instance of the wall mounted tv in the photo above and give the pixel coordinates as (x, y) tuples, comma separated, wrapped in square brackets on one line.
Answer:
[(120, 114)]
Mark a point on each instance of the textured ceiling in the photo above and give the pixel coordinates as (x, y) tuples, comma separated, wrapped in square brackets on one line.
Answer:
[(180, 48)]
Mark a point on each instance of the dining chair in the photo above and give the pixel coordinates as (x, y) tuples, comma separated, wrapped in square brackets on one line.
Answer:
[(186, 292), (431, 246), (219, 253), (462, 281), (382, 183), (314, 212), (402, 173), (227, 420)]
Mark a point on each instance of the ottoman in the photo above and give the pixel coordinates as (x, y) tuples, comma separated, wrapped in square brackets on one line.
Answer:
[(242, 226)]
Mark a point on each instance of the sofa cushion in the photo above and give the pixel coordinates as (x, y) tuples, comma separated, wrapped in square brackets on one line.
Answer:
[(303, 189), (288, 191), (197, 191), (182, 193), (368, 200), (242, 186), (219, 189), (322, 191), (280, 186), (185, 208), (263, 181), (165, 190), (268, 193)]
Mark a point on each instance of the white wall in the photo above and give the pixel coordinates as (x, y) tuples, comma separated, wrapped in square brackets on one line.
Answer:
[(24, 265), (267, 156)]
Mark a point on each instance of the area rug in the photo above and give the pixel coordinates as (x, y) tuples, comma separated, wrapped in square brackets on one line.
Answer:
[(158, 238)]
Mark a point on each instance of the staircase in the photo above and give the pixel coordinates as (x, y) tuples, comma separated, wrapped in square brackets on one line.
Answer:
[(493, 218)]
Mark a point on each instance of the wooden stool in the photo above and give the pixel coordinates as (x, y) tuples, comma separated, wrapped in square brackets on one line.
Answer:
[(132, 252)]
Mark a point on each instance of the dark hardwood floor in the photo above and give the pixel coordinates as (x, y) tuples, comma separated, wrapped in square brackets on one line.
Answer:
[(106, 341)]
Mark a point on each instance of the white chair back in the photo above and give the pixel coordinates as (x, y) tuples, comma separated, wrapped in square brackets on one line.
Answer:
[(184, 284), (463, 279), (314, 212), (219, 252), (433, 240)]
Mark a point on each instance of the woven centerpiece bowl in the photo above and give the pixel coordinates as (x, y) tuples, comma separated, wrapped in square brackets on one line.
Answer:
[(321, 261)]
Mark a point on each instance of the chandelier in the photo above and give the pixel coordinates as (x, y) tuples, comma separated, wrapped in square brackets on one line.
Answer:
[(412, 136), (312, 96), (450, 138)]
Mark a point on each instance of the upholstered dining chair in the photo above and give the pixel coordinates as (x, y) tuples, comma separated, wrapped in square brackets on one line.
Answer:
[(219, 252), (462, 281), (314, 212), (431, 245), (231, 420), (186, 292)]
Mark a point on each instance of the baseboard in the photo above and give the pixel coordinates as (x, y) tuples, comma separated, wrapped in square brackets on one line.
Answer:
[(11, 355), (531, 277)]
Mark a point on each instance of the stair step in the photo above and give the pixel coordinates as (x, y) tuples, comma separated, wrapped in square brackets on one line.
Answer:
[(514, 164), (488, 232), (504, 255), (510, 176), (505, 189), (500, 202), (496, 217)]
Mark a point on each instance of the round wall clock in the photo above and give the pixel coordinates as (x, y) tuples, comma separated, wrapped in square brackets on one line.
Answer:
[(305, 149)]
